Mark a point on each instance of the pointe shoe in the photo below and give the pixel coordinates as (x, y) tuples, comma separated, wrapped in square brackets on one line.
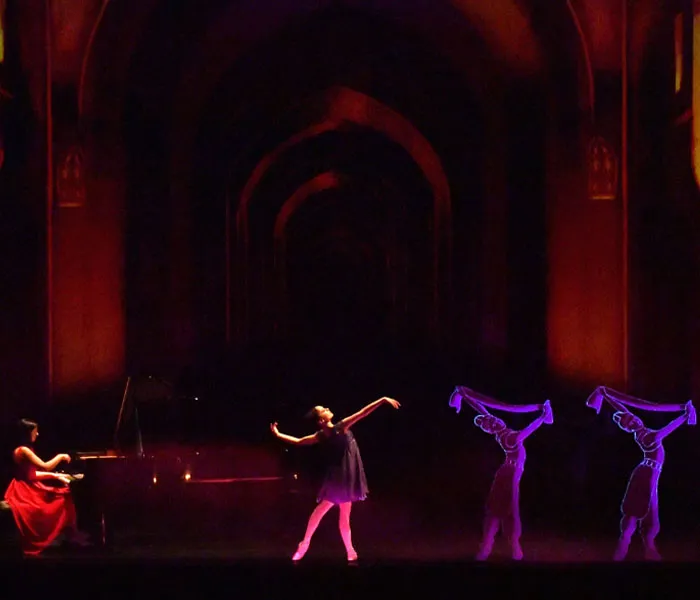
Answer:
[(352, 555), (651, 553), (483, 555), (517, 553), (301, 550)]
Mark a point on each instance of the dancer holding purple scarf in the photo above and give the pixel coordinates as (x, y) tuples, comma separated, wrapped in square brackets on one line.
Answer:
[(503, 502), (640, 505)]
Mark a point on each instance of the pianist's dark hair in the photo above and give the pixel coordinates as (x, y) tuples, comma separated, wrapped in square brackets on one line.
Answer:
[(24, 431)]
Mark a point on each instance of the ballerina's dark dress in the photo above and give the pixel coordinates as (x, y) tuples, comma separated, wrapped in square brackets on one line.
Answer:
[(344, 475)]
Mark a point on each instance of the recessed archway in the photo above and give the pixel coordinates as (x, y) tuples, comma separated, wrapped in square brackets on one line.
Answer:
[(345, 106), (486, 63)]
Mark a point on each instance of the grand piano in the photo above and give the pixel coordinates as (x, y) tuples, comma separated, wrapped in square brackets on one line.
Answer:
[(158, 462)]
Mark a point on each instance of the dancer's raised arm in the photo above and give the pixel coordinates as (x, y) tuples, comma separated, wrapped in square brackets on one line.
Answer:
[(623, 402), (676, 423), (613, 402), (480, 408), (348, 422), (545, 417), (595, 400), (307, 440), (470, 397), (481, 403), (25, 453)]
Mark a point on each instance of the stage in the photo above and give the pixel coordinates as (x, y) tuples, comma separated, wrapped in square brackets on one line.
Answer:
[(140, 564), (244, 548), (416, 534)]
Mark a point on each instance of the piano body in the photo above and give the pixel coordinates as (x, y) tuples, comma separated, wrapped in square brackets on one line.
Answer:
[(153, 462)]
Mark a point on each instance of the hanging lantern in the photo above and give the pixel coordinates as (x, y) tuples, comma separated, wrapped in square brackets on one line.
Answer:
[(602, 170), (70, 181)]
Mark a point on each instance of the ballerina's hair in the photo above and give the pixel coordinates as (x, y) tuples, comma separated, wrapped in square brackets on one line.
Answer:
[(312, 414)]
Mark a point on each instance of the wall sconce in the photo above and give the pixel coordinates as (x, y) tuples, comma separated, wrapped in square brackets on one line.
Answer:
[(70, 178), (602, 170), (695, 106), (4, 95), (2, 31)]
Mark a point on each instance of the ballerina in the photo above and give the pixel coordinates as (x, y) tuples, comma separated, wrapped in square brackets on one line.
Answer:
[(503, 502), (640, 505), (344, 480)]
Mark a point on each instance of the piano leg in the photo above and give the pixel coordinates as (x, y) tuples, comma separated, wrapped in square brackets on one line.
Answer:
[(92, 512), (103, 529)]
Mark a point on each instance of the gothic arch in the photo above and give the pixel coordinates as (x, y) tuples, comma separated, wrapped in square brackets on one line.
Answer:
[(350, 106)]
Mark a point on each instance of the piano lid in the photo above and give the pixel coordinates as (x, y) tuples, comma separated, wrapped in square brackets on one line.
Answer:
[(149, 412), (123, 417), (127, 434)]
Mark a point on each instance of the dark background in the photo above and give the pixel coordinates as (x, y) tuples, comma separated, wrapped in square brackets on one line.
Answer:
[(365, 312)]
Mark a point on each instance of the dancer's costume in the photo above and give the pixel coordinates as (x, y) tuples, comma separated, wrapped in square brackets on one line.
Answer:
[(344, 474), (644, 481)]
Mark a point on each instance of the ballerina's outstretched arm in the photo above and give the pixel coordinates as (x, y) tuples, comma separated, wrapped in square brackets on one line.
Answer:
[(348, 422), (295, 441)]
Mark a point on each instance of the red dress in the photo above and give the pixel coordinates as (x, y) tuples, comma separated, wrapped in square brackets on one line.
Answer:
[(41, 511)]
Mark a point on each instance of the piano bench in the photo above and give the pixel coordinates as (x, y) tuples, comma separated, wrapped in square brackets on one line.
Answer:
[(10, 544)]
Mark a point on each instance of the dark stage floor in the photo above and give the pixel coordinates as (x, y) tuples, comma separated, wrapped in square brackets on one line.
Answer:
[(244, 551), (137, 564), (417, 548)]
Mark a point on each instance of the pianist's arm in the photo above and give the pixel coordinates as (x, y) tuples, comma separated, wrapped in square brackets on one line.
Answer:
[(47, 475), (43, 468)]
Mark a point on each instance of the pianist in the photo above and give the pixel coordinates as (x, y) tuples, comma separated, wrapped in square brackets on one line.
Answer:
[(39, 497)]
